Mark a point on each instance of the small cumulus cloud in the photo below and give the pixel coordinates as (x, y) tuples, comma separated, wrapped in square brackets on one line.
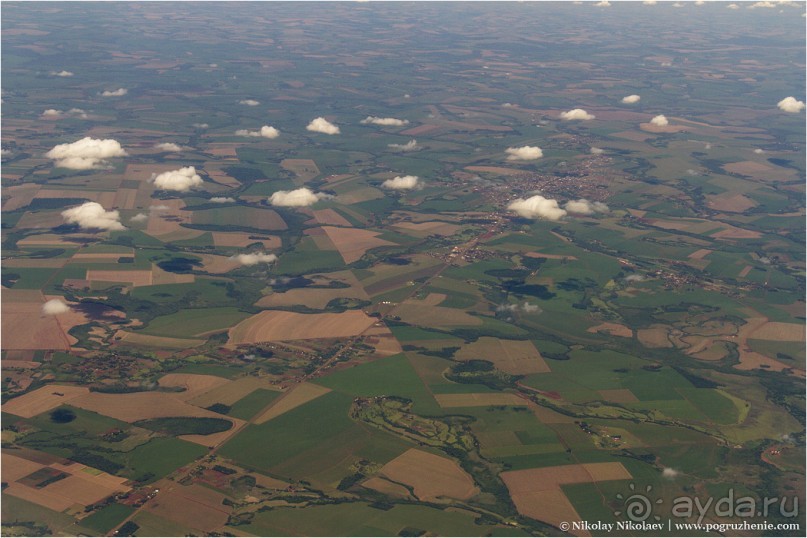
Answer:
[(733, 6), (169, 147), (791, 104), (603, 3), (201, 125), (249, 102), (650, 2), (597, 151), (321, 125), (576, 114), (634, 278), (92, 215), (509, 105), (759, 151), (181, 180), (265, 132), (660, 120), (6, 152), (757, 5), (669, 473), (85, 154), (530, 308), (61, 73), (72, 113), (395, 122), (120, 92), (297, 198), (402, 183), (629, 99), (140, 217), (158, 207), (537, 207), (585, 207), (254, 258), (222, 200), (524, 153), (55, 307), (412, 145)]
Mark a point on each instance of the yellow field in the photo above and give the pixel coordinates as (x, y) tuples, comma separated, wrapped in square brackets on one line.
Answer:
[(432, 477), (135, 406), (352, 243), (275, 326), (25, 327), (297, 396), (194, 506), (421, 313), (194, 384), (329, 216), (145, 340), (478, 400), (84, 485), (43, 399), (784, 332), (428, 227), (134, 277), (537, 493), (230, 392), (518, 357), (614, 329), (241, 239)]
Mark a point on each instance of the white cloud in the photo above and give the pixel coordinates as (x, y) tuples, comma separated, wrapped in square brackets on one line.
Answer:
[(634, 278), (629, 99), (762, 4), (86, 154), (5, 152), (61, 73), (321, 125), (54, 307), (159, 207), (733, 6), (509, 105), (699, 2), (181, 180), (297, 198), (791, 104), (585, 207), (597, 151), (384, 121), (576, 114), (650, 2), (73, 112), (140, 217), (222, 200), (669, 473), (537, 207), (254, 258), (412, 145), (169, 147), (92, 215), (759, 151), (524, 153), (402, 183), (265, 132), (249, 102), (201, 125), (660, 120), (530, 308), (120, 92), (678, 4), (603, 3)]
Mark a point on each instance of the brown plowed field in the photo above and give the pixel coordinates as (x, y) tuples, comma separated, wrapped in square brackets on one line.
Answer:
[(276, 325)]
